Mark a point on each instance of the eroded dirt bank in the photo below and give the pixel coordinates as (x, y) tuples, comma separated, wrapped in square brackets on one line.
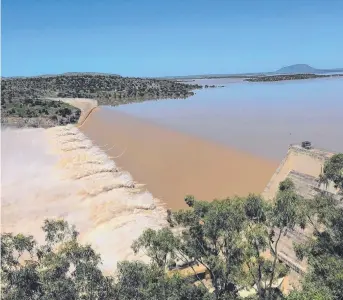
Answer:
[(173, 164), (59, 173)]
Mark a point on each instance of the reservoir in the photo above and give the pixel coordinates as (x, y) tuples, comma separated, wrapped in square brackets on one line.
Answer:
[(260, 118), (222, 141)]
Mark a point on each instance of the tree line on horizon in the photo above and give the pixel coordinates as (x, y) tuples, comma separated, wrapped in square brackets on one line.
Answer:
[(229, 238), (100, 87)]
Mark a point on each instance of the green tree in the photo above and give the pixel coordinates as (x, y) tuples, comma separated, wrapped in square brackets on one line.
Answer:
[(333, 171), (236, 240), (311, 292), (267, 223), (63, 269), (59, 269), (324, 252), (161, 245), (230, 238), (136, 280)]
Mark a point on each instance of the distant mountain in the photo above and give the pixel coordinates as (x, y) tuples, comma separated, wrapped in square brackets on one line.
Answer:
[(288, 70), (293, 69), (304, 69)]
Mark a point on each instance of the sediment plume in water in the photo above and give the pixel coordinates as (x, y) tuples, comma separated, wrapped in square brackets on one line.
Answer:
[(172, 164), (60, 173)]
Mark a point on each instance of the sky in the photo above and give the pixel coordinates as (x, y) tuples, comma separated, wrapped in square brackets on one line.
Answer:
[(168, 38)]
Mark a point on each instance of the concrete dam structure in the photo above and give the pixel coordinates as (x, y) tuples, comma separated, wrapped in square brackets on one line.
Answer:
[(303, 167)]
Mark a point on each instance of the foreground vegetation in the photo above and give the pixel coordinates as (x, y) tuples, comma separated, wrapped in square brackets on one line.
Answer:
[(229, 237), (18, 94), (288, 77)]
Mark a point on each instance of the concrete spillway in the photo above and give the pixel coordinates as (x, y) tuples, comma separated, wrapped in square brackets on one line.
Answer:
[(60, 173), (303, 167)]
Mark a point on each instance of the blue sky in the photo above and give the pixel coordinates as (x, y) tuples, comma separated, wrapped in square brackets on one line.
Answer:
[(161, 37)]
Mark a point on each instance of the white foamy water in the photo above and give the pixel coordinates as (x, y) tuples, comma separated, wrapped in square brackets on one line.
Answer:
[(59, 173)]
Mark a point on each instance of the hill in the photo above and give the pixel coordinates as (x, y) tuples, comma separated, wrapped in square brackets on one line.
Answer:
[(292, 69), (304, 69)]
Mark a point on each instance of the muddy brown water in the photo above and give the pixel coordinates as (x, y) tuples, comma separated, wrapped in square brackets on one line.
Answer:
[(173, 164), (262, 119)]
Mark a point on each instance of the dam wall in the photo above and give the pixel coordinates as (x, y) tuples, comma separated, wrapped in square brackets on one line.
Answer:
[(303, 167)]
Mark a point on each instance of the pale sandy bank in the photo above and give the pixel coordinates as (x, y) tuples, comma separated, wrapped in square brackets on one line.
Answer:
[(59, 173)]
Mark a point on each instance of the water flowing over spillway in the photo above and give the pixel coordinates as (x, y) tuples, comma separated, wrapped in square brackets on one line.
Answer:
[(60, 173)]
